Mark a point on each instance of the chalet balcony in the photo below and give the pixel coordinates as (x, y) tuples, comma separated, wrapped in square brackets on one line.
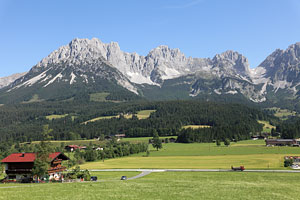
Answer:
[(56, 169), (58, 161)]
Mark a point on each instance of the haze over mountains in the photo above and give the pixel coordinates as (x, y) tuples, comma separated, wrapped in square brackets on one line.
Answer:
[(91, 66)]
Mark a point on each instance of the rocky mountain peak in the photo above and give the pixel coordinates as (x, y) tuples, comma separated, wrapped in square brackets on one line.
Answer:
[(164, 52), (5, 81), (232, 62), (90, 61)]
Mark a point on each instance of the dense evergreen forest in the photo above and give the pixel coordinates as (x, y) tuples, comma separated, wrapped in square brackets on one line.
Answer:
[(289, 129), (25, 122)]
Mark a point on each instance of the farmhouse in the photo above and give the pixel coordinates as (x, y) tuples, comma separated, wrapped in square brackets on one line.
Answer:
[(282, 142), (72, 148), (20, 165)]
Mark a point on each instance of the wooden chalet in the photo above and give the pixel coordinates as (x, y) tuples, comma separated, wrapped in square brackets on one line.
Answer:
[(282, 142), (20, 165)]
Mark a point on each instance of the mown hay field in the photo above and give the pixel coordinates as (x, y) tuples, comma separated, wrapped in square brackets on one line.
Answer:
[(167, 185), (142, 114), (251, 154)]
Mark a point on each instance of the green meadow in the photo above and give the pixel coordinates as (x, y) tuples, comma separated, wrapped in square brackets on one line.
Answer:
[(143, 114), (99, 97), (196, 126), (70, 142), (267, 127), (251, 154), (144, 139), (166, 185), (51, 117)]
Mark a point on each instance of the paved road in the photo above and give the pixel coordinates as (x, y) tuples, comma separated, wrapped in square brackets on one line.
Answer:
[(144, 173), (191, 170)]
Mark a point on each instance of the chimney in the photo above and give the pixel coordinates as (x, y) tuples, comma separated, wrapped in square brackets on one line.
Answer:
[(23, 154)]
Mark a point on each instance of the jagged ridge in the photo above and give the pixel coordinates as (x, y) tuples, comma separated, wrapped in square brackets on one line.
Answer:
[(226, 73)]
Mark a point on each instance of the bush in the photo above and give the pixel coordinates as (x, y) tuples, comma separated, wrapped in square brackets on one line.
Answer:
[(288, 162), (226, 142)]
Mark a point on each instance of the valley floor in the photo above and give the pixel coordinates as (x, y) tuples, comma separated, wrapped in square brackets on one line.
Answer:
[(166, 185), (251, 154)]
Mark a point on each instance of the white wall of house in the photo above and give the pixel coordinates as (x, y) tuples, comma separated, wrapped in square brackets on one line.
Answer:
[(55, 176)]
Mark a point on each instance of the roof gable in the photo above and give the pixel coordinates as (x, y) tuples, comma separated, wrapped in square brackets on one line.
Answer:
[(30, 157)]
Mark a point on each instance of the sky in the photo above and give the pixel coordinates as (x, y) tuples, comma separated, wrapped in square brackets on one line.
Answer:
[(30, 30)]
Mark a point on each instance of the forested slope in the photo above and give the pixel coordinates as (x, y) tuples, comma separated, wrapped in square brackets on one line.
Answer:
[(25, 122)]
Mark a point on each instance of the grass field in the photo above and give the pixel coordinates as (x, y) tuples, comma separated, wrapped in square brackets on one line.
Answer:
[(283, 113), (167, 185), (254, 161), (143, 114), (99, 97), (267, 126), (100, 118), (196, 126), (51, 117), (143, 139), (75, 142), (35, 98), (251, 154)]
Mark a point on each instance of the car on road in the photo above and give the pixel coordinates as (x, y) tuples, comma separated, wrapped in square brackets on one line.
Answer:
[(124, 178), (94, 178)]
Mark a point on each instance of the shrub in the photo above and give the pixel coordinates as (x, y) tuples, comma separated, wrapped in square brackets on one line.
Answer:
[(288, 162), (226, 142)]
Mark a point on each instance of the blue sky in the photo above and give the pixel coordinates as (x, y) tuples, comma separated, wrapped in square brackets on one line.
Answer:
[(30, 30)]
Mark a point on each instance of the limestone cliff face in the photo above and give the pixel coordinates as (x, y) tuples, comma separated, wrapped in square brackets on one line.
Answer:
[(5, 81), (88, 60)]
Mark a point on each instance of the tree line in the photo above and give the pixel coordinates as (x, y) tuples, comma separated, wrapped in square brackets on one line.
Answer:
[(25, 122)]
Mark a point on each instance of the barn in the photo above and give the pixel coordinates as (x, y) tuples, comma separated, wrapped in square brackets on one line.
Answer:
[(282, 142)]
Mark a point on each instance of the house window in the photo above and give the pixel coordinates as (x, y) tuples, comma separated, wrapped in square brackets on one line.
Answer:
[(12, 177)]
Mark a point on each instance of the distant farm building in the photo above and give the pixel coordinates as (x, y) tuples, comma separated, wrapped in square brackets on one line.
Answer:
[(20, 165), (258, 137), (72, 148), (295, 159), (98, 148), (120, 135), (282, 142)]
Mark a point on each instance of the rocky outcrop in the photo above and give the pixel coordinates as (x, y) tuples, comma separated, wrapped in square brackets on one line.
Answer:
[(5, 81)]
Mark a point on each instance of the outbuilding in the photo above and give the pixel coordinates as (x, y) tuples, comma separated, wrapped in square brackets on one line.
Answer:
[(282, 142)]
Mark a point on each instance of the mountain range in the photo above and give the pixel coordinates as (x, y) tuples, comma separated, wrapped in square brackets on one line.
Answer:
[(84, 67)]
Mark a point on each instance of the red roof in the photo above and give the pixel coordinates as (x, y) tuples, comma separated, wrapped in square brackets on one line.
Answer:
[(73, 146), (25, 157)]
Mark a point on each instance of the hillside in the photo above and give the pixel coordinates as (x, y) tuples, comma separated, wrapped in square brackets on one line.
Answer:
[(25, 122)]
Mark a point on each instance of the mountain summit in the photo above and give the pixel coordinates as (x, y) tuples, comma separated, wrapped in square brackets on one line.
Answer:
[(90, 66)]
